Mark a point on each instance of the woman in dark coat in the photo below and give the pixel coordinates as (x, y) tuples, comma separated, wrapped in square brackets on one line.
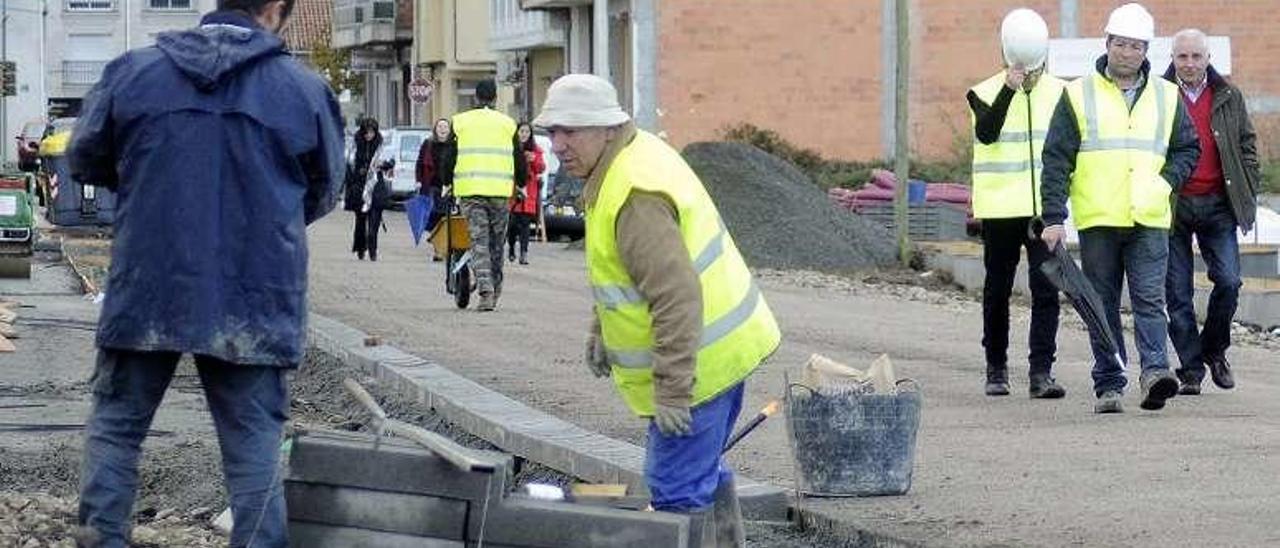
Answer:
[(524, 205), (367, 142), (433, 172)]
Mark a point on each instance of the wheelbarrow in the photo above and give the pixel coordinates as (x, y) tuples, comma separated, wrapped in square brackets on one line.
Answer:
[(453, 242)]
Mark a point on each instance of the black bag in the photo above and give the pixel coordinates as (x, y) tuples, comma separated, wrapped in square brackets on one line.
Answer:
[(353, 191), (381, 198)]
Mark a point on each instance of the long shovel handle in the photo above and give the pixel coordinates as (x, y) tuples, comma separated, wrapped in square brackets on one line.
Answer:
[(440, 445)]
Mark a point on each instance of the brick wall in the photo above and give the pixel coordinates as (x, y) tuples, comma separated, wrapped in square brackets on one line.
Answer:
[(812, 70), (808, 69)]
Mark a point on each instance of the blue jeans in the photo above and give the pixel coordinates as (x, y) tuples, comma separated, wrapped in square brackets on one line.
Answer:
[(1210, 220), (1109, 256), (683, 472), (249, 405)]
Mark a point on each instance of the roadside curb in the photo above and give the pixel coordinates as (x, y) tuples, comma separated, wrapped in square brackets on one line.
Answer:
[(511, 425)]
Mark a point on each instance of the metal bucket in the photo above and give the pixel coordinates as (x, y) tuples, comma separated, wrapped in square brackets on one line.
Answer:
[(851, 443)]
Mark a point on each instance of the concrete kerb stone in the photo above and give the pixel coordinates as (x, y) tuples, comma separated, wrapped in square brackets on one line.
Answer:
[(851, 534), (510, 425)]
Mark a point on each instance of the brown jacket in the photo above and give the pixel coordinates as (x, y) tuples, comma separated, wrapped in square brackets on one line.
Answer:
[(653, 252), (1237, 146)]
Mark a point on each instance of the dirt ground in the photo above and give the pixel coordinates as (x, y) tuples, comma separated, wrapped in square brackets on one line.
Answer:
[(1007, 471)]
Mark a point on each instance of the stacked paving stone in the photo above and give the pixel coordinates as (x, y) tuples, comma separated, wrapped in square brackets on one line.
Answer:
[(342, 491)]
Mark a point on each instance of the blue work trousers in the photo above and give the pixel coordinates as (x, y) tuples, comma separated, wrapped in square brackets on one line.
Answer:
[(1110, 256), (683, 472), (249, 405), (1210, 221)]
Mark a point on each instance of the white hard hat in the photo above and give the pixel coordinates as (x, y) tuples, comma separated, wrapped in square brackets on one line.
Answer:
[(1025, 39), (1132, 21), (581, 100)]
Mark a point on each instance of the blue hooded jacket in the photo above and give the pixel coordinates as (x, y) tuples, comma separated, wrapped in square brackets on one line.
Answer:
[(222, 147)]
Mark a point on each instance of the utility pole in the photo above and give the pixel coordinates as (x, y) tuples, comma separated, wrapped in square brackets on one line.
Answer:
[(901, 164), (4, 99)]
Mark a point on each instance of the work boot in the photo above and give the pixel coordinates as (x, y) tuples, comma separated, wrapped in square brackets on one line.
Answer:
[(487, 303), (1043, 387), (511, 256), (1157, 385), (1220, 370), (1187, 388), (524, 258), (360, 255), (728, 516), (1109, 402)]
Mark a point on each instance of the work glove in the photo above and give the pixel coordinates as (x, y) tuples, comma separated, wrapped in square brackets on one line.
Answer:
[(595, 357), (364, 208), (672, 420)]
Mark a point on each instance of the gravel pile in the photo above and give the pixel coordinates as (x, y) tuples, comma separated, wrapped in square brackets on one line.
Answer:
[(780, 219)]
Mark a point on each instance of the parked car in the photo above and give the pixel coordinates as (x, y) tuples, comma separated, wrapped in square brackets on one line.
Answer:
[(401, 145), (28, 143), (562, 214)]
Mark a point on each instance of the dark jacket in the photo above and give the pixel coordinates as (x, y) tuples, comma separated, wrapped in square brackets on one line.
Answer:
[(358, 170), (222, 148), (1063, 142), (1237, 146), (431, 158)]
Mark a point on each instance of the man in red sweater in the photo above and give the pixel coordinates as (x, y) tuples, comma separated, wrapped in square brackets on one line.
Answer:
[(1218, 199)]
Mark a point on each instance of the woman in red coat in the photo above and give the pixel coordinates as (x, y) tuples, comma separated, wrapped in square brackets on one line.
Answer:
[(524, 205)]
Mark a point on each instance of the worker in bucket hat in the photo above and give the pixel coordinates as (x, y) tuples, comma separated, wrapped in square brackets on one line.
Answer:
[(679, 321)]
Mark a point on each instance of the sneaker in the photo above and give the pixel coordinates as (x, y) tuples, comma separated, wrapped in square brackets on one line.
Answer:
[(487, 303), (997, 388), (1157, 386), (1045, 388), (1109, 402), (1220, 370), (1186, 388)]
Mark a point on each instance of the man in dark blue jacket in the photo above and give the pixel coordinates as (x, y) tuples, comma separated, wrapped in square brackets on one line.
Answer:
[(222, 148)]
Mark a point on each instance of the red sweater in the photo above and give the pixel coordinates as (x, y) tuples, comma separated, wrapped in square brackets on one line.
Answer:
[(1207, 178), (537, 165)]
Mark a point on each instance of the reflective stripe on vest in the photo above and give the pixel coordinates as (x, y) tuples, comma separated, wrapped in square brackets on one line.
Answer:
[(1117, 179), (738, 330), (485, 164), (1006, 172)]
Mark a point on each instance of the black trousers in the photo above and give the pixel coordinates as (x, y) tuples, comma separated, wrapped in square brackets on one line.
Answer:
[(374, 218), (1003, 241), (518, 230), (359, 240)]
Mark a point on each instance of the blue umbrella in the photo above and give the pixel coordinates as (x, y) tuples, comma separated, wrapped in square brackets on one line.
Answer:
[(418, 209)]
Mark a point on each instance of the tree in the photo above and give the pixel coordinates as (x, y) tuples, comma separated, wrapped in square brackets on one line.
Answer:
[(335, 66)]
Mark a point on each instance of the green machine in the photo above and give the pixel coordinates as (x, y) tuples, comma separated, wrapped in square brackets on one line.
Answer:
[(17, 224)]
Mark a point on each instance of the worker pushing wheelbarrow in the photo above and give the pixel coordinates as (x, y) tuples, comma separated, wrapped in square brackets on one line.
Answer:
[(452, 241)]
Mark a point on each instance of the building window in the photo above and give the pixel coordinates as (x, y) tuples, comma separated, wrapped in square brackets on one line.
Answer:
[(169, 4), (90, 5)]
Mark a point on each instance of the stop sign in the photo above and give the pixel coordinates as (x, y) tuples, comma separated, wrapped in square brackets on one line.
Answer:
[(420, 90)]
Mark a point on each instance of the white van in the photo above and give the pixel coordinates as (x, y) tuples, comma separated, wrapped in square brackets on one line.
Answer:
[(402, 144)]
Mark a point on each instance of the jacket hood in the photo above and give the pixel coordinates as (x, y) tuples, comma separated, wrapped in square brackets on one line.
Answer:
[(224, 44)]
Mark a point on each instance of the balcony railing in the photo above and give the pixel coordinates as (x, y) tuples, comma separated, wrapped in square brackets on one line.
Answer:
[(82, 73), (358, 22)]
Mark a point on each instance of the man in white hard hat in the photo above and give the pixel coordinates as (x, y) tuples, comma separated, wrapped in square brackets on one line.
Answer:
[(1120, 144), (679, 321), (1218, 199), (1010, 112)]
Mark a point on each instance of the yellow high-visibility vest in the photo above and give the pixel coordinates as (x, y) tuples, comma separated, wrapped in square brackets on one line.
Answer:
[(1117, 178), (485, 165), (1006, 173), (738, 329)]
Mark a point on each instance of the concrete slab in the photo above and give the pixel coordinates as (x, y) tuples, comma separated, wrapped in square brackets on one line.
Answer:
[(315, 535), (417, 515)]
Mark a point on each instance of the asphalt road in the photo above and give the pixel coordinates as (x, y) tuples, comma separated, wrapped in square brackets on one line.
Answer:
[(1005, 471)]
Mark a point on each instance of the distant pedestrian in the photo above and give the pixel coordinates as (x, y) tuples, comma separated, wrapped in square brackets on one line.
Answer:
[(680, 322), (1219, 198), (222, 147), (489, 167), (526, 202), (1120, 144), (1010, 114), (437, 151), (368, 145)]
